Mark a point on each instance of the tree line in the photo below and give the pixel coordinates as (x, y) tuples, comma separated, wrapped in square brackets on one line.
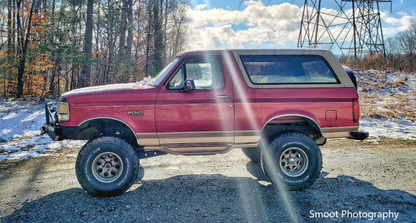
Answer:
[(400, 54), (52, 46)]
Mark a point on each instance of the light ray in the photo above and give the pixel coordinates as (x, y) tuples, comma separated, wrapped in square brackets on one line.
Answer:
[(220, 104), (207, 3), (249, 113)]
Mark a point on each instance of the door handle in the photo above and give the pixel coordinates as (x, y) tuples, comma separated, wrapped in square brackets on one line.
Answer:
[(226, 97)]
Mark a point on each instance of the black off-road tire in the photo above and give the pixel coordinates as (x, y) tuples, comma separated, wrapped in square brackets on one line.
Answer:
[(107, 166), (252, 153), (292, 161)]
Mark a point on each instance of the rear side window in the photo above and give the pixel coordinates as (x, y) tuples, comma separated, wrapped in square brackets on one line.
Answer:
[(263, 70)]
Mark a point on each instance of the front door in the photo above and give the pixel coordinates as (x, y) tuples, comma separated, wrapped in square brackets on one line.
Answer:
[(205, 115)]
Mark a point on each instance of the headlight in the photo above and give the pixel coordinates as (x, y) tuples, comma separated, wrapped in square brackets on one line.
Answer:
[(63, 112)]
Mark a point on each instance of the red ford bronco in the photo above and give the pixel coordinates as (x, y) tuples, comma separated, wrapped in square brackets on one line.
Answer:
[(277, 105)]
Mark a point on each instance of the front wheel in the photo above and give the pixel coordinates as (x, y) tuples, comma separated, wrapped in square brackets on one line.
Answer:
[(107, 166), (292, 161)]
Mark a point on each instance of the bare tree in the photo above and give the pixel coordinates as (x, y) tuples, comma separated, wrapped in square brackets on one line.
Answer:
[(86, 67), (22, 60)]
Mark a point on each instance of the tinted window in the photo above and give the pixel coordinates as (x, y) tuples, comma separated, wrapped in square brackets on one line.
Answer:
[(288, 70)]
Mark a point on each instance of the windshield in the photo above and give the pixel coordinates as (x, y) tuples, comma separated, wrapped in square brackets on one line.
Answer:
[(162, 74)]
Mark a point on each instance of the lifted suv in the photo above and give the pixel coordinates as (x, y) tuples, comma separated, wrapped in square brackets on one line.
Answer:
[(277, 105)]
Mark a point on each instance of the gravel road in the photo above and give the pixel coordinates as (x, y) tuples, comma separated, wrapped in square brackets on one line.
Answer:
[(359, 179)]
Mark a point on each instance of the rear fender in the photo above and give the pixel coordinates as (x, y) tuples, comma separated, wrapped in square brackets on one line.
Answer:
[(292, 117)]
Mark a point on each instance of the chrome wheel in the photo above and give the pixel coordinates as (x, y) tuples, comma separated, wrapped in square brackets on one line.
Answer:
[(293, 162), (107, 167)]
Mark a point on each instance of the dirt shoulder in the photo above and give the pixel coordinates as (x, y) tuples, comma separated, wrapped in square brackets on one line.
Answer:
[(367, 177)]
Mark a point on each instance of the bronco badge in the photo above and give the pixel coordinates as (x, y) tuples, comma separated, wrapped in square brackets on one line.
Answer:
[(135, 113)]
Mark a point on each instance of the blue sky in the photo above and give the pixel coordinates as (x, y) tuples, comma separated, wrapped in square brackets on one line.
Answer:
[(271, 23), (403, 5)]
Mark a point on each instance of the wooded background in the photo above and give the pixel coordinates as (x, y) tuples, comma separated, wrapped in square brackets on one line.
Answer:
[(52, 46), (400, 54), (48, 47)]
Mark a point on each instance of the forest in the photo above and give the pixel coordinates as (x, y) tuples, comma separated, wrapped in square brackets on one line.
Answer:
[(48, 47)]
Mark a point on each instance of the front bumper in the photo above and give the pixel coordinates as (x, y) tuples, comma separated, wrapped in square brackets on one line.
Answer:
[(52, 127)]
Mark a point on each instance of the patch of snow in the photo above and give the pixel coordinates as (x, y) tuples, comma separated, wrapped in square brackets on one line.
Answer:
[(107, 87), (20, 138), (20, 119), (390, 95), (382, 82), (147, 82), (385, 128)]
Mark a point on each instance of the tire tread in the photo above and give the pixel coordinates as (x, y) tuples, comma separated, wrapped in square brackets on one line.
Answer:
[(84, 152), (295, 136)]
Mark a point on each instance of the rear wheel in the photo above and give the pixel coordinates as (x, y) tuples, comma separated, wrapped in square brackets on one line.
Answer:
[(107, 166), (293, 161)]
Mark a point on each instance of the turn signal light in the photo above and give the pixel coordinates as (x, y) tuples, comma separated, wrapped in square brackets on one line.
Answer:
[(63, 111)]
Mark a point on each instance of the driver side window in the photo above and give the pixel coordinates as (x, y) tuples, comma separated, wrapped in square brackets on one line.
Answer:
[(177, 82), (206, 74)]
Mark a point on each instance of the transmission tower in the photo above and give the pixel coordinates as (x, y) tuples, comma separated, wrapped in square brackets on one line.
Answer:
[(356, 30)]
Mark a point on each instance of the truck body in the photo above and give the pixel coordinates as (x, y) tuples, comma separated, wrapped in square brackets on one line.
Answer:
[(208, 102)]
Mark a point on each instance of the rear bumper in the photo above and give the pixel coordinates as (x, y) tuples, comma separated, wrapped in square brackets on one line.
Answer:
[(359, 135)]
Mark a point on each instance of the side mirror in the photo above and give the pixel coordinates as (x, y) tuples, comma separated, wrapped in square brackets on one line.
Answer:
[(189, 85)]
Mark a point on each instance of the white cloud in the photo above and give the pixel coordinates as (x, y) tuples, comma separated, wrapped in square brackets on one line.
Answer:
[(262, 26), (394, 25), (255, 24), (200, 7)]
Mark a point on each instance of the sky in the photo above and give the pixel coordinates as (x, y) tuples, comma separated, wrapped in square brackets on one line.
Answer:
[(217, 24)]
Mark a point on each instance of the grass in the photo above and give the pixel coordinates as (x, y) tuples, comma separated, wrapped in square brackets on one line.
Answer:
[(390, 96)]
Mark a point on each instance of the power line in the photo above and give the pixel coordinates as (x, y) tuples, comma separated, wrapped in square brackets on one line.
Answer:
[(398, 10), (244, 26), (261, 16), (286, 36), (288, 21), (273, 19), (235, 19)]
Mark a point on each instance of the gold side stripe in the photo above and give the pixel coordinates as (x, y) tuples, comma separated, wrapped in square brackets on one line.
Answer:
[(147, 139), (340, 129), (247, 133), (153, 139), (146, 135), (338, 132), (249, 136), (195, 134)]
